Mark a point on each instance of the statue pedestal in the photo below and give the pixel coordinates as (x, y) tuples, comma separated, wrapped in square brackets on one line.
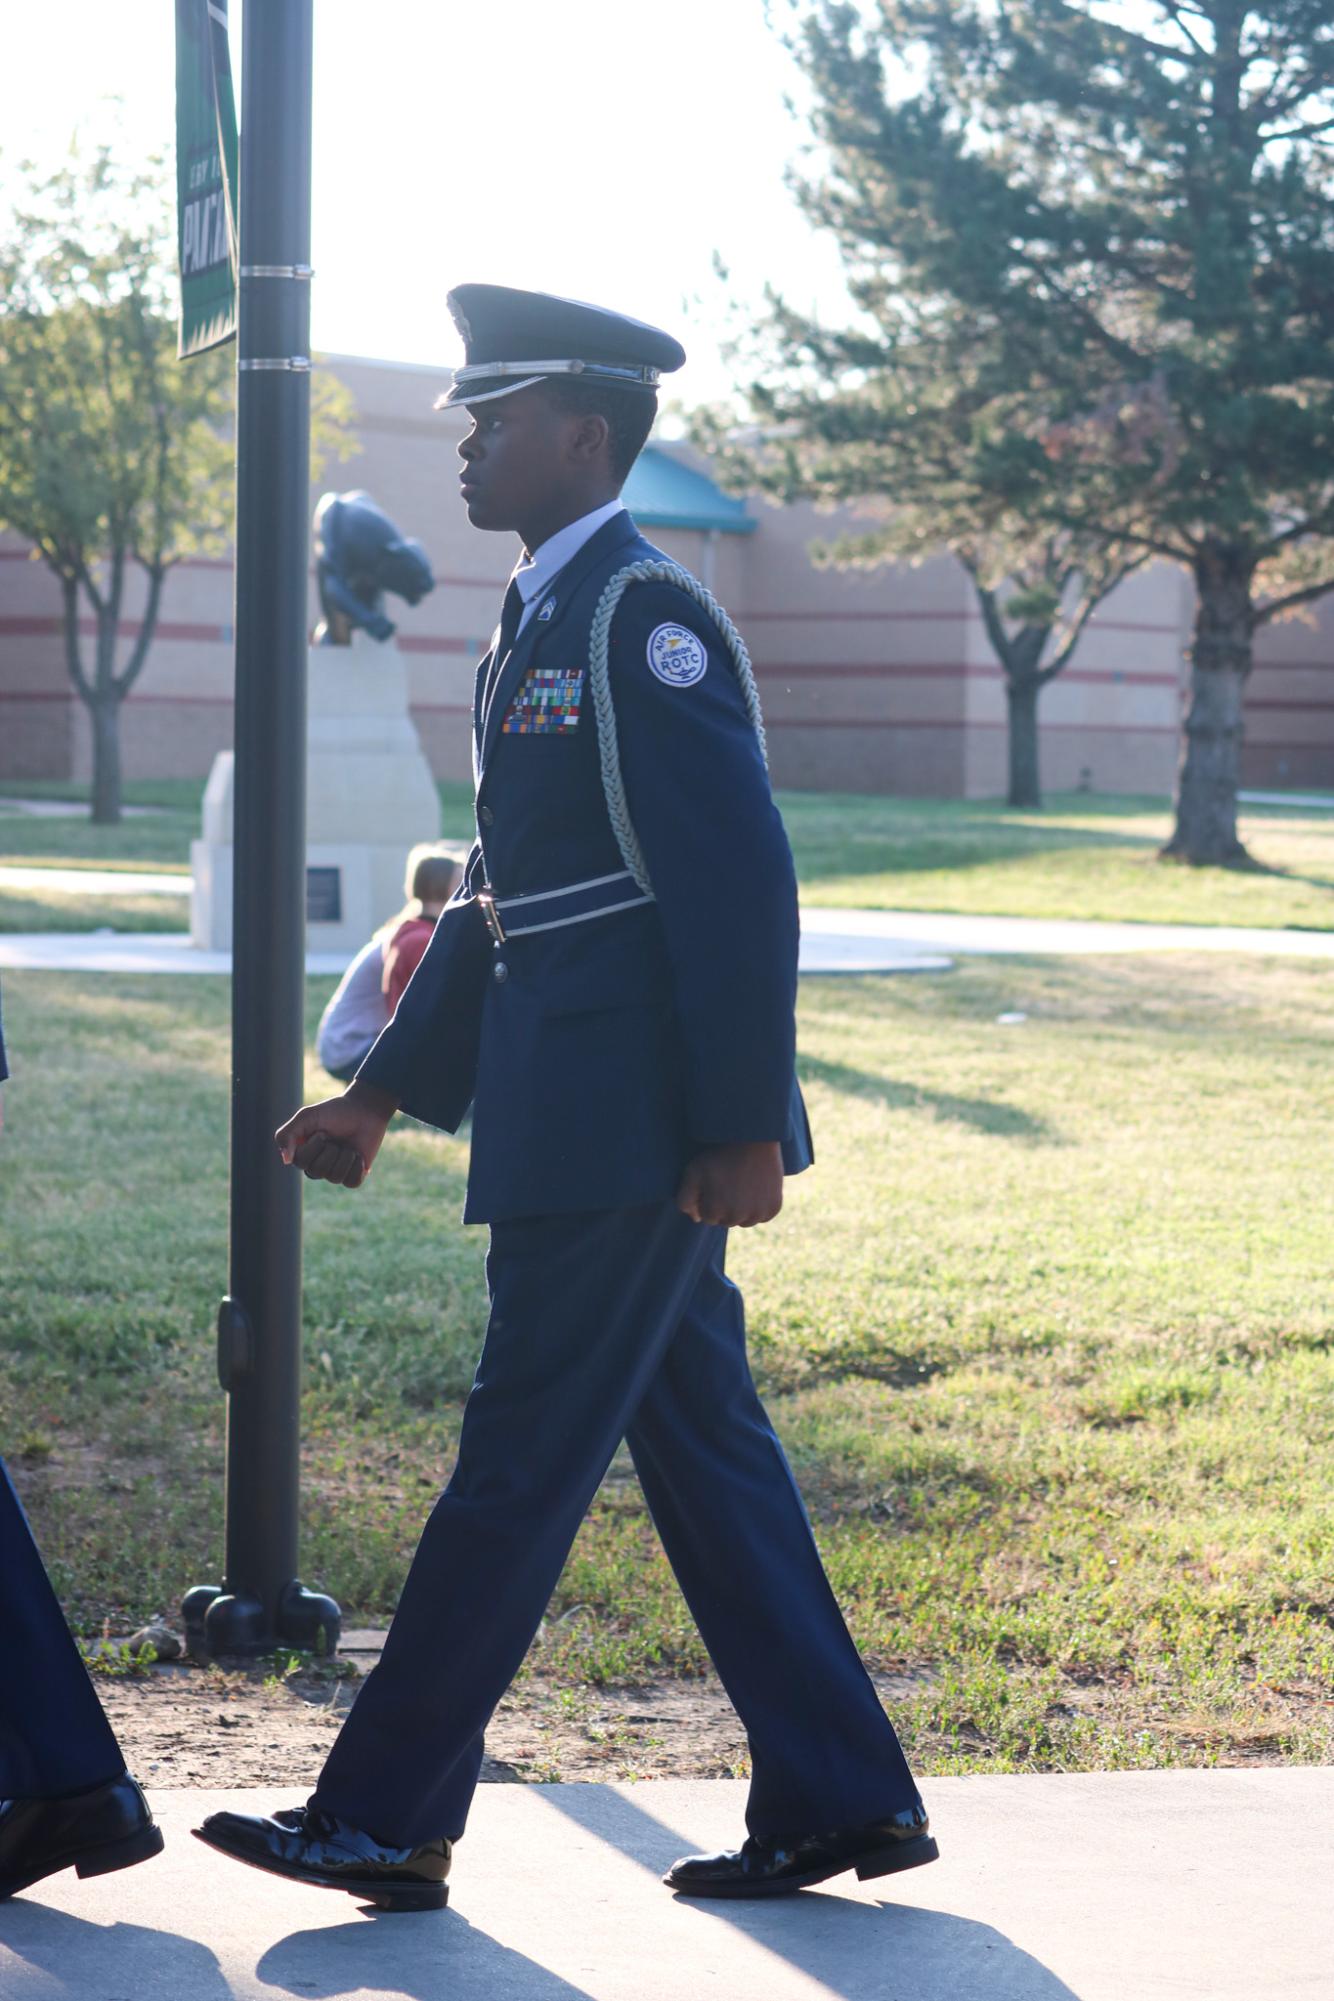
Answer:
[(370, 797)]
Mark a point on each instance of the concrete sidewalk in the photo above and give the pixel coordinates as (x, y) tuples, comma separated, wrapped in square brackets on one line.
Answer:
[(832, 941), (172, 952), (941, 931), (1198, 1886), (126, 952)]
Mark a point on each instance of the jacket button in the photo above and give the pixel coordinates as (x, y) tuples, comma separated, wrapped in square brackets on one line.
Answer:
[(500, 972), (486, 816)]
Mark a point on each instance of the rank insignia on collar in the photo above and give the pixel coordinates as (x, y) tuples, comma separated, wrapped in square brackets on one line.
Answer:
[(547, 609)]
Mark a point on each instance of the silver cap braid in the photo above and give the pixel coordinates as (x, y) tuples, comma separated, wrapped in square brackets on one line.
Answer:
[(599, 680)]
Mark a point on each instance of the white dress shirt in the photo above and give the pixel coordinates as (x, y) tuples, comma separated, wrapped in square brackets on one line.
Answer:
[(534, 573)]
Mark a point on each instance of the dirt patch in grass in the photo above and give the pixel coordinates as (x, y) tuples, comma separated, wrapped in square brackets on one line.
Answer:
[(184, 1724), (214, 1726)]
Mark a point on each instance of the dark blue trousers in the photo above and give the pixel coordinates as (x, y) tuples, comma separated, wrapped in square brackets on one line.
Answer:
[(610, 1325), (54, 1738)]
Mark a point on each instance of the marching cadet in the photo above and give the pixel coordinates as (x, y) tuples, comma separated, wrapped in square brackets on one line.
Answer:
[(66, 1799), (612, 989)]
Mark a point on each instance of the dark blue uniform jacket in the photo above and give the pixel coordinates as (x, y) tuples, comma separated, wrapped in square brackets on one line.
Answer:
[(599, 1056)]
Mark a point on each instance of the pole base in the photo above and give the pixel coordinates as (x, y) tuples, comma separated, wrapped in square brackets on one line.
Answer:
[(309, 1619), (237, 1622), (194, 1611)]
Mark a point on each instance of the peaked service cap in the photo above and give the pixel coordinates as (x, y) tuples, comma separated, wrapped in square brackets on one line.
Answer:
[(513, 339)]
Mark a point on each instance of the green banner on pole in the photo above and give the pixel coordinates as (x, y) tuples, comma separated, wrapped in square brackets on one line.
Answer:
[(206, 179)]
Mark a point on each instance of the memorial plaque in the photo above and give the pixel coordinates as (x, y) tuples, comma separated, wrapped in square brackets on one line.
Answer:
[(324, 896)]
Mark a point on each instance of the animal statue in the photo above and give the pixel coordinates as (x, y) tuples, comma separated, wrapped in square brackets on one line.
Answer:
[(359, 555)]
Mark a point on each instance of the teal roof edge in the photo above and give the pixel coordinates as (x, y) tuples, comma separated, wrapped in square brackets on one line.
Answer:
[(663, 493)]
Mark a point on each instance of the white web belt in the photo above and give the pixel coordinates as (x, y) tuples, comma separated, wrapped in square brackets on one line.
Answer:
[(552, 909)]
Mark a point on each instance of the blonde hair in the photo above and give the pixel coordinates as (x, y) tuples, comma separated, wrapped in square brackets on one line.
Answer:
[(434, 871)]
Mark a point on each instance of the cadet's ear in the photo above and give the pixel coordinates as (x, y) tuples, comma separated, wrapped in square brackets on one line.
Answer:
[(590, 437)]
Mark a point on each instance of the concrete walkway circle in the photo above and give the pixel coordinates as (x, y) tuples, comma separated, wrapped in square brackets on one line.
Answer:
[(172, 952), (923, 930), (833, 940), (69, 809), (126, 952), (1145, 1886), (838, 938), (1293, 802)]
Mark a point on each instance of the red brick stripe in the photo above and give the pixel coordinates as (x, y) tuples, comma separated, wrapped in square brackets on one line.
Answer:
[(898, 670)]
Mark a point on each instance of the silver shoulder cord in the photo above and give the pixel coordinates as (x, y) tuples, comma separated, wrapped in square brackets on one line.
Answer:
[(599, 680)]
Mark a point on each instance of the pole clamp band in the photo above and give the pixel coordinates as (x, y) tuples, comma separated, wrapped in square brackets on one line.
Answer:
[(292, 364), (303, 272)]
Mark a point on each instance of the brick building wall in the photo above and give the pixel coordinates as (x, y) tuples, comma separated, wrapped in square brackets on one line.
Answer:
[(879, 682)]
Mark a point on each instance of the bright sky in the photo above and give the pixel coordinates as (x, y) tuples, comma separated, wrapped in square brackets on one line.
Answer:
[(605, 149)]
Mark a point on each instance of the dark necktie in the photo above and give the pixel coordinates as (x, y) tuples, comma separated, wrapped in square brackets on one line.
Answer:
[(510, 614)]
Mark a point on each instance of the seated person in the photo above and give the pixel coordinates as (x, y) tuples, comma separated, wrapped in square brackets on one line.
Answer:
[(433, 876), (365, 998)]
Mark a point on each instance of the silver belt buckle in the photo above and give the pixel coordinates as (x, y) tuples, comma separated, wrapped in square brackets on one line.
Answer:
[(490, 915)]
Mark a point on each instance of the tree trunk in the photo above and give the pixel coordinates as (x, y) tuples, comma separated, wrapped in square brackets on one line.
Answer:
[(104, 714), (1210, 768), (1025, 783)]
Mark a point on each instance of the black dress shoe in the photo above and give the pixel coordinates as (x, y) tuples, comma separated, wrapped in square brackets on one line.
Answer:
[(312, 1846), (776, 1868), (108, 1827)]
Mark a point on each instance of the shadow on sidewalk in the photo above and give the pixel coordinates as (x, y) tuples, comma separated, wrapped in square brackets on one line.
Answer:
[(434, 1955), (859, 1951), (58, 1956)]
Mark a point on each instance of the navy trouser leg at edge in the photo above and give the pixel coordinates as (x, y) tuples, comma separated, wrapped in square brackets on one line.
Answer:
[(54, 1737), (737, 1535), (582, 1310)]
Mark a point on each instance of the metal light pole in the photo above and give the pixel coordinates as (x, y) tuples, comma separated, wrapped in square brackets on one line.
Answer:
[(261, 1600)]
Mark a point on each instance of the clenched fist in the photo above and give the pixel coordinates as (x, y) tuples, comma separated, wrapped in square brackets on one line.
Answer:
[(735, 1186), (338, 1139)]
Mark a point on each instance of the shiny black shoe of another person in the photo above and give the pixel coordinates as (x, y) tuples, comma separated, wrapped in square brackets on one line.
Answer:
[(777, 1868), (108, 1827), (311, 1846)]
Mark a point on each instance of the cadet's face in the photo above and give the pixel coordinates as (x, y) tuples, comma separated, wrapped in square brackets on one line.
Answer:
[(514, 458)]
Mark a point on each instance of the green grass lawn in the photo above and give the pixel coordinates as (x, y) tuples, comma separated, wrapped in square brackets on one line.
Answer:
[(59, 910), (1082, 856), (159, 840), (1048, 1333)]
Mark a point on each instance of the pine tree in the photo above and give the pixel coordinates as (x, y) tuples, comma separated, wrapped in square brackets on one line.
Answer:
[(912, 449), (1101, 241)]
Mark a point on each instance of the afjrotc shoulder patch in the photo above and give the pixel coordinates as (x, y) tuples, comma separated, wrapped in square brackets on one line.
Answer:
[(677, 656), (547, 704)]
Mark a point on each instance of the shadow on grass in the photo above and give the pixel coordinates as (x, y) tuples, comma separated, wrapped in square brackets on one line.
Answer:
[(1246, 863), (866, 836), (783, 1374), (1321, 882), (982, 1114)]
